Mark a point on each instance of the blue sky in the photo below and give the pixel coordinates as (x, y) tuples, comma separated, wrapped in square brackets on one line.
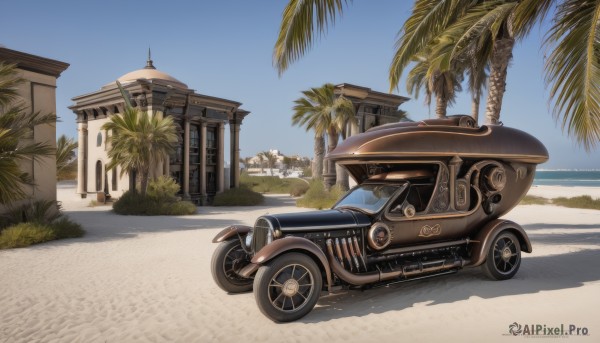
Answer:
[(224, 49)]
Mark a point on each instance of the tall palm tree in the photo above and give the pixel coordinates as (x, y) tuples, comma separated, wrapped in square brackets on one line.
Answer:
[(65, 153), (139, 141), (321, 110), (572, 67), (16, 124)]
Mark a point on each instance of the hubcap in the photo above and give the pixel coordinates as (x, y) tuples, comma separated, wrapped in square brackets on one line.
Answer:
[(506, 253), (290, 287)]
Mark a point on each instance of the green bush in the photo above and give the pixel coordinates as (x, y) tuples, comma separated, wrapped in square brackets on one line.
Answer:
[(163, 188), (65, 228), (25, 234), (584, 201), (28, 233), (318, 197), (298, 189), (133, 203), (40, 211), (241, 196)]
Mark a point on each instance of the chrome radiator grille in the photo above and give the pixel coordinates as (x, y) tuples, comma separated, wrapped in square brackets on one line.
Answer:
[(261, 233)]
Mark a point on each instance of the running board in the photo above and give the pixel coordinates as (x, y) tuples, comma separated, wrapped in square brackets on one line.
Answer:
[(451, 271)]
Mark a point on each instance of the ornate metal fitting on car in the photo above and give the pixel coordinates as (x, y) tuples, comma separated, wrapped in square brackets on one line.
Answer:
[(379, 236)]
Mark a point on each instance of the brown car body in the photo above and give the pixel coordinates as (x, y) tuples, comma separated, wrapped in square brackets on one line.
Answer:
[(433, 194)]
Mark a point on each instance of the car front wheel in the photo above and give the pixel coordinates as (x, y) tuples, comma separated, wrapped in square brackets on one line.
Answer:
[(504, 257), (227, 260), (287, 288)]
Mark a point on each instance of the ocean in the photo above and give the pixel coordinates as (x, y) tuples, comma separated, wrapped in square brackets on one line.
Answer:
[(569, 178)]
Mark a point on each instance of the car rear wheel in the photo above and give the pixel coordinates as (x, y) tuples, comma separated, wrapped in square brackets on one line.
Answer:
[(227, 260), (287, 288), (504, 257)]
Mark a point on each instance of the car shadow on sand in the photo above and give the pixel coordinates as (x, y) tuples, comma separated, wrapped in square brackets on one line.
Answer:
[(537, 273)]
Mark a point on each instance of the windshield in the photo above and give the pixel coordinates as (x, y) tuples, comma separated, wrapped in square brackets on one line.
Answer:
[(369, 197)]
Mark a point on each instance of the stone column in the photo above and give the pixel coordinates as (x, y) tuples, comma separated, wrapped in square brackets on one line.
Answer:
[(186, 159), (221, 158), (203, 161), (82, 159), (234, 130)]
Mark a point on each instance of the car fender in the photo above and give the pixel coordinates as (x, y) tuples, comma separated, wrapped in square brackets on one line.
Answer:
[(483, 240), (231, 231), (287, 244)]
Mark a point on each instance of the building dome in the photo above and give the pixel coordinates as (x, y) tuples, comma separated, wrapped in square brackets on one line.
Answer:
[(149, 72)]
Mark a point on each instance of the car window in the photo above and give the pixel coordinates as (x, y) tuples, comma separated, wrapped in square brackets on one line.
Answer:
[(369, 197)]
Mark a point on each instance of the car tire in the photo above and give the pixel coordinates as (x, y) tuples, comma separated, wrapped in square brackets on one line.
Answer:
[(288, 288), (227, 259), (504, 257)]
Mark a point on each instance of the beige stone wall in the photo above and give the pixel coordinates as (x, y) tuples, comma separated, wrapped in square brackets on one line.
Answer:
[(100, 153), (39, 94)]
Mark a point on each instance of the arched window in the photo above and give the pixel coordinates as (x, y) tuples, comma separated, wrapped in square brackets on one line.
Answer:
[(99, 139)]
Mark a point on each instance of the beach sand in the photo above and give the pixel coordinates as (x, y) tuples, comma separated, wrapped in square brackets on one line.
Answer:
[(147, 279)]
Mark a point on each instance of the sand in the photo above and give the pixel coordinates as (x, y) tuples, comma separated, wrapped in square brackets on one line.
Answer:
[(147, 279)]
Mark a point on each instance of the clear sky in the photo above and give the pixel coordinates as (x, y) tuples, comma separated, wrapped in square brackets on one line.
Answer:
[(224, 49)]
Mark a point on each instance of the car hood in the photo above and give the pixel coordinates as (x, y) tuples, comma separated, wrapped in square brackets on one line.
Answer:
[(319, 220)]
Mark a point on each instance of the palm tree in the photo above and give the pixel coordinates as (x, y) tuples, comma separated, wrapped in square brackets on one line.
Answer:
[(442, 84), (271, 159), (261, 161), (246, 161), (65, 153), (573, 70), (16, 123), (321, 110), (139, 141)]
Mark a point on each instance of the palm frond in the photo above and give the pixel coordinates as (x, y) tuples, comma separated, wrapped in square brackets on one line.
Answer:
[(428, 19), (300, 20), (573, 69)]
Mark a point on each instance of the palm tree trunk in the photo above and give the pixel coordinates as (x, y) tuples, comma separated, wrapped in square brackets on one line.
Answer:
[(332, 140), (145, 175), (475, 108), (341, 175), (441, 104), (319, 154), (501, 55)]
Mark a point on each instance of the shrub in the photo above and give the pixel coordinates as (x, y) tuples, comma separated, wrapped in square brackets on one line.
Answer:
[(584, 201), (163, 188), (178, 208), (40, 211), (36, 222), (298, 189), (65, 228), (319, 198), (241, 196), (534, 200), (133, 203), (25, 234)]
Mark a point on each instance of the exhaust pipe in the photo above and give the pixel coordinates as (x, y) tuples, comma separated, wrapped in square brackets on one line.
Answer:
[(353, 279), (377, 276)]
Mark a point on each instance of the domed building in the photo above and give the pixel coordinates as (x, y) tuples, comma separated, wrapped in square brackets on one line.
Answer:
[(198, 162)]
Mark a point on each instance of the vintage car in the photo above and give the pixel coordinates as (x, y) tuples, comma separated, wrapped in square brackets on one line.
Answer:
[(428, 199)]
